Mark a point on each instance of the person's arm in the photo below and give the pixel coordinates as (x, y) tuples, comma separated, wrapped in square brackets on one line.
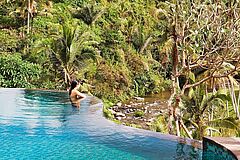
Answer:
[(80, 96)]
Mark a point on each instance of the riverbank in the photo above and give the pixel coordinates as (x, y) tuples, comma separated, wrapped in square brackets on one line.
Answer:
[(149, 112)]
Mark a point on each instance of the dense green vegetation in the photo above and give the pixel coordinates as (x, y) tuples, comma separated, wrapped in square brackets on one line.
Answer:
[(112, 46), (125, 48)]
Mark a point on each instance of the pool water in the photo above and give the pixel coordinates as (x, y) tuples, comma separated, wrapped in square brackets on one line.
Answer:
[(37, 124)]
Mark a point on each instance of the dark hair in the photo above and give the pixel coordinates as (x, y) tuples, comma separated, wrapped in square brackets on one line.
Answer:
[(74, 83)]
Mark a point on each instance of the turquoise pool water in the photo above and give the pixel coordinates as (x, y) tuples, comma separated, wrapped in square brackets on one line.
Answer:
[(43, 125)]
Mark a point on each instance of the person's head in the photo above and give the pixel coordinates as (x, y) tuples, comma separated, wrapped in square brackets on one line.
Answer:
[(73, 85)]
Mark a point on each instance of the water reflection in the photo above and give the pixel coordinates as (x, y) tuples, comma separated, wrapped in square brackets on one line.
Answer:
[(9, 105), (51, 109), (184, 152), (35, 109)]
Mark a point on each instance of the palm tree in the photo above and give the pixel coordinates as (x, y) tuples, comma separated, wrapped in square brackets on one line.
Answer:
[(69, 50), (88, 13)]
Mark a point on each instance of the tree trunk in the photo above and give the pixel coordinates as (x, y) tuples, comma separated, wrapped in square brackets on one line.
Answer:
[(28, 18), (175, 85)]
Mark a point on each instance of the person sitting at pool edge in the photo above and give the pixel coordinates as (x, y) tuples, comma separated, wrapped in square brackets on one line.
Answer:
[(74, 94)]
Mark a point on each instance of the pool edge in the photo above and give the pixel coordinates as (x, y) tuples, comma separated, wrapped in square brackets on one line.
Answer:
[(183, 140)]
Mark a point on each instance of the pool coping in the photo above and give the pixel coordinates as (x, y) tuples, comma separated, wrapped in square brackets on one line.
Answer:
[(231, 144)]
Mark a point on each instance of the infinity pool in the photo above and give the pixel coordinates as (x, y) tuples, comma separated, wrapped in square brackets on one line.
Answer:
[(38, 124)]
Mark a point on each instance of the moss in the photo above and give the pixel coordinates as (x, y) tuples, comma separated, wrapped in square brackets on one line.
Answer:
[(139, 114)]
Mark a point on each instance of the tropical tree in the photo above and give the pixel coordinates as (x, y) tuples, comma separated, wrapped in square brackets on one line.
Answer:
[(197, 107), (70, 49), (88, 13), (201, 40)]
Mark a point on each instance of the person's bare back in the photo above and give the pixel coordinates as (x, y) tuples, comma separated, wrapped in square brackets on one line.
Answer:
[(75, 95)]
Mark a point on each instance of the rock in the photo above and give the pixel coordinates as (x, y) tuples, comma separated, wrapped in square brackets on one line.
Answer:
[(150, 105), (124, 107), (145, 109), (136, 117), (119, 104), (127, 111), (134, 104), (114, 107), (118, 118), (128, 118), (150, 120), (128, 106), (116, 110), (119, 114), (112, 111), (139, 98)]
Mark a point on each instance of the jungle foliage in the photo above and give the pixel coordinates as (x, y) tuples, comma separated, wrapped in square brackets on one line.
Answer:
[(113, 46)]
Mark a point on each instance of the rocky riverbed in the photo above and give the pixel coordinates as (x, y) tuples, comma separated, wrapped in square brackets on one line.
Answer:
[(141, 111)]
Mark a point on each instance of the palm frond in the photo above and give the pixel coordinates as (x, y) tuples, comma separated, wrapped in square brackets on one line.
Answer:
[(211, 129), (227, 123)]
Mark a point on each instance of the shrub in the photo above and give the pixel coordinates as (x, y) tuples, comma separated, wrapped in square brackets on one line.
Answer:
[(16, 73), (159, 125)]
